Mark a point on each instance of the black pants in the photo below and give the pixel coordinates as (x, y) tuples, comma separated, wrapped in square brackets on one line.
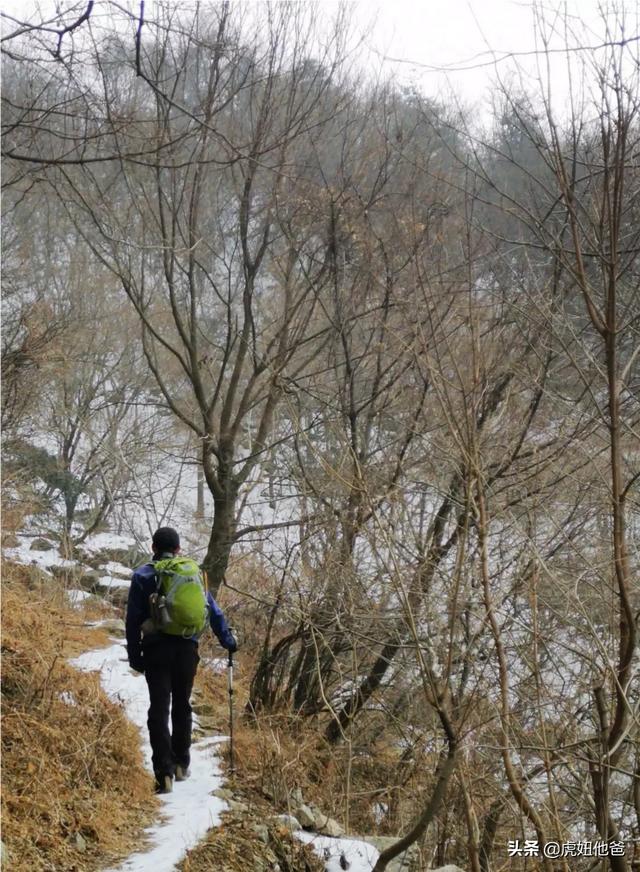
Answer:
[(170, 665)]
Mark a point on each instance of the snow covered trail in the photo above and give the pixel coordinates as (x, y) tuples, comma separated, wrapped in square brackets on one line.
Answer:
[(189, 811)]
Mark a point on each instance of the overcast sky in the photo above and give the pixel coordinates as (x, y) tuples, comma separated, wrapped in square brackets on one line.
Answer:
[(469, 33), (412, 37)]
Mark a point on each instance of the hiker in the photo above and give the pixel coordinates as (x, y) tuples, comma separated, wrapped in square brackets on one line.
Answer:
[(167, 652)]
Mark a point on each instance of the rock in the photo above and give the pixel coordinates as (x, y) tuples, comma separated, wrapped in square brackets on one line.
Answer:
[(81, 576), (262, 832), (81, 843), (203, 708), (41, 544), (296, 796), (400, 863), (120, 572), (206, 724), (238, 807), (223, 793), (4, 855), (313, 818), (331, 827), (381, 842), (289, 822), (105, 587), (403, 863), (128, 556), (111, 625), (119, 597), (34, 575), (307, 818), (64, 573), (90, 580)]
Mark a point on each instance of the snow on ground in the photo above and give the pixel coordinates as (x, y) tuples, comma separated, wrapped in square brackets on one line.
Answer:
[(116, 574), (103, 541), (360, 856), (216, 664), (111, 582), (119, 570), (77, 597), (190, 810), (22, 553)]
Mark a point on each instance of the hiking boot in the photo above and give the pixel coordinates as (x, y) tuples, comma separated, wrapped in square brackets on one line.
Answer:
[(164, 784), (182, 773)]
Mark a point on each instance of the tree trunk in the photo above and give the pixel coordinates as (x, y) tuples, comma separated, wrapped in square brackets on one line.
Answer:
[(490, 828), (419, 586), (221, 540), (337, 727), (200, 495), (444, 773)]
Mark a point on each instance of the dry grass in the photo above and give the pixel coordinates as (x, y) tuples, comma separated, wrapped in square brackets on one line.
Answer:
[(15, 508), (75, 794), (235, 847), (278, 752)]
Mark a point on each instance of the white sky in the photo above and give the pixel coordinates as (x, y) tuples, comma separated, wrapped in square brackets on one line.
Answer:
[(451, 33), (459, 33)]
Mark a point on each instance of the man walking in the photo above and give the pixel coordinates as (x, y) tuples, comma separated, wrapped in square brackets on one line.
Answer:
[(169, 661)]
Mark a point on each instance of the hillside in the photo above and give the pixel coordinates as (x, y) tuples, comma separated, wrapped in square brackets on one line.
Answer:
[(86, 803), (373, 353), (75, 794)]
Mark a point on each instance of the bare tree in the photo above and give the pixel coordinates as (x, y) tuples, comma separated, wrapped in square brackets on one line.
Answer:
[(207, 237)]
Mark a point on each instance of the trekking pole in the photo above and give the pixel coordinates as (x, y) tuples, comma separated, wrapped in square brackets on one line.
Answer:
[(230, 684)]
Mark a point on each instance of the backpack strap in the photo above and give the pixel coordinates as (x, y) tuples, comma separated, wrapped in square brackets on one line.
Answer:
[(158, 575)]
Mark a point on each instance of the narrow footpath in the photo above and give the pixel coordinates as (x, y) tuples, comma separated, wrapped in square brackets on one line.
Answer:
[(188, 812)]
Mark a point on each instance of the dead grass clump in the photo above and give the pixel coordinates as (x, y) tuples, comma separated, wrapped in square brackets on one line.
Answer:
[(275, 753), (17, 503), (235, 846), (75, 794)]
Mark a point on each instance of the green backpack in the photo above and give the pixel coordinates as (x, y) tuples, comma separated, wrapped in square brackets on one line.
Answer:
[(180, 604)]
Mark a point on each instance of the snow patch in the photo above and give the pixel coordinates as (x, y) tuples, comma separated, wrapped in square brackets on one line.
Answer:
[(190, 810), (117, 569), (77, 597), (215, 664), (110, 582), (380, 811), (361, 856), (22, 553), (103, 541)]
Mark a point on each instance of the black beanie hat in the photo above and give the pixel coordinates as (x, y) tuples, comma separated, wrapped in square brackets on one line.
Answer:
[(165, 539)]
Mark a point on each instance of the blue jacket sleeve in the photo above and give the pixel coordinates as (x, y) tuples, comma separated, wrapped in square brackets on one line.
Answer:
[(137, 612), (219, 625)]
